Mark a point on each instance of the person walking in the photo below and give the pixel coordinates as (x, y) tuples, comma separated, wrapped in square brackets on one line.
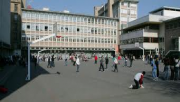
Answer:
[(101, 64), (138, 79), (66, 59), (95, 58), (49, 62), (131, 60), (176, 69), (115, 65), (52, 61), (35, 61), (74, 60), (154, 71), (125, 61), (166, 68), (107, 61), (78, 63), (172, 65)]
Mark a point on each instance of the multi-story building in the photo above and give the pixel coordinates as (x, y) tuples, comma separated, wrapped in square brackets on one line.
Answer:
[(79, 33), (172, 35), (5, 27), (148, 31), (124, 10), (16, 6)]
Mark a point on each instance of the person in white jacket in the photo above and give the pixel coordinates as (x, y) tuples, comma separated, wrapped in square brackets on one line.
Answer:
[(77, 63)]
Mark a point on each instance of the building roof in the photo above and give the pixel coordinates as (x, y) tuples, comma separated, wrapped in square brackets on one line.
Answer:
[(165, 7), (57, 12)]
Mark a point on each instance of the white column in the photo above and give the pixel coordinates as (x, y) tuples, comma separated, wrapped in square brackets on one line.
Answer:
[(29, 72), (179, 43)]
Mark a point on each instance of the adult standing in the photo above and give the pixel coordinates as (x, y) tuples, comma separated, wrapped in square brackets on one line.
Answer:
[(119, 58), (95, 58), (115, 65), (176, 69), (107, 61), (125, 61), (35, 61), (166, 68), (52, 61), (49, 62), (101, 64), (157, 65), (172, 65), (78, 63), (66, 59), (131, 60)]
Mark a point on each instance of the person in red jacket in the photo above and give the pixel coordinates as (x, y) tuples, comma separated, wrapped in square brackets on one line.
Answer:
[(119, 58), (95, 58), (138, 79)]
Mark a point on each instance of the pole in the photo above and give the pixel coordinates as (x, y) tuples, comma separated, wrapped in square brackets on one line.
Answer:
[(143, 54), (29, 72)]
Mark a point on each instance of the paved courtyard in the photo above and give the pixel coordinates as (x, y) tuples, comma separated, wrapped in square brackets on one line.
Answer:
[(89, 85)]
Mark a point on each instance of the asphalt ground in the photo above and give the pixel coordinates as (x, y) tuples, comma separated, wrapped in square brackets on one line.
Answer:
[(88, 85)]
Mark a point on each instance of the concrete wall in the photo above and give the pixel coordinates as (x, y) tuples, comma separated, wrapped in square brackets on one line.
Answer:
[(171, 13), (5, 21)]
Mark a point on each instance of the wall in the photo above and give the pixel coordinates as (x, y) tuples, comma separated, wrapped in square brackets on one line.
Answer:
[(5, 21), (171, 13)]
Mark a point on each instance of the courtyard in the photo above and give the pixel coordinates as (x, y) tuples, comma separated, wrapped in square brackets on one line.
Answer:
[(88, 85)]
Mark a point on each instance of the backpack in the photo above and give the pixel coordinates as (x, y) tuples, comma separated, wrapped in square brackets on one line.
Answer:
[(3, 89)]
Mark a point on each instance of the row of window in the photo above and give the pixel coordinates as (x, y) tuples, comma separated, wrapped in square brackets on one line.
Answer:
[(129, 4), (129, 12), (140, 40), (57, 48), (71, 39), (67, 18), (69, 29), (173, 25)]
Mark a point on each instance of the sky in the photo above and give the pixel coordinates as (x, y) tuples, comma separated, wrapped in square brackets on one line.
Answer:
[(87, 6)]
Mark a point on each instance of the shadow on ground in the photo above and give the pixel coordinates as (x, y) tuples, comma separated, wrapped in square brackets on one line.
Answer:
[(165, 87), (17, 79)]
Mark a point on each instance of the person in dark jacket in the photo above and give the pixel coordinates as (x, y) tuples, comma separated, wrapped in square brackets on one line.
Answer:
[(157, 65), (107, 61), (172, 65), (131, 60), (101, 64)]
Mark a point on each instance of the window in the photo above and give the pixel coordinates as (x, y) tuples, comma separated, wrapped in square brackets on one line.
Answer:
[(78, 29), (46, 28), (133, 12), (16, 8), (124, 11), (28, 27), (124, 19)]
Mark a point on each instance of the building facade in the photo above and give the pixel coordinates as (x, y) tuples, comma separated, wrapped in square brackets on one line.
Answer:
[(79, 33), (5, 27), (16, 12), (172, 35), (149, 31), (125, 10)]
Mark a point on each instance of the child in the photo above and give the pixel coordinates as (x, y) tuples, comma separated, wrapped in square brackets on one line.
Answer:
[(138, 79)]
